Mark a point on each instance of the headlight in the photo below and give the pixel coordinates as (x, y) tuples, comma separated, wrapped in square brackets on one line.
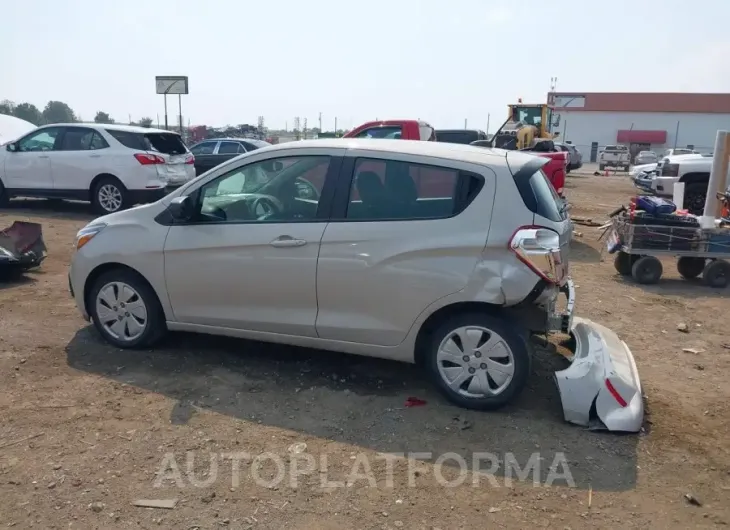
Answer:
[(88, 233)]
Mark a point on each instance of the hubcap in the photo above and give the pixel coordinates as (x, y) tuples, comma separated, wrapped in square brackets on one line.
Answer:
[(121, 311), (475, 362), (110, 197)]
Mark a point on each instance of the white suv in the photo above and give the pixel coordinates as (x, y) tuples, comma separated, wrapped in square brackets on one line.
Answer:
[(112, 166)]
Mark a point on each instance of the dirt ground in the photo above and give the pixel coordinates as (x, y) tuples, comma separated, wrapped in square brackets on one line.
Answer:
[(86, 430)]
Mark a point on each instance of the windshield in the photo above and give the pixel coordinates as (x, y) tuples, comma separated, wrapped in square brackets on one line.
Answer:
[(528, 115)]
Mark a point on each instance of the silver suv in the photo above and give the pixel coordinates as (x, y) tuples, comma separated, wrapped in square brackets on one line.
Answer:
[(441, 254)]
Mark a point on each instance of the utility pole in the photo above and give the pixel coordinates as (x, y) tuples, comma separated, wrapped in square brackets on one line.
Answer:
[(320, 122), (488, 116), (335, 125), (297, 132), (305, 128), (464, 123)]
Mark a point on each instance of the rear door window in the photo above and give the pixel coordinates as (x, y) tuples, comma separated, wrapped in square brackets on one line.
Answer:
[(230, 148), (204, 148), (390, 189)]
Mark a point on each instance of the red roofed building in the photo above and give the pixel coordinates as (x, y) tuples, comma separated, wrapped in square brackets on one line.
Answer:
[(642, 121)]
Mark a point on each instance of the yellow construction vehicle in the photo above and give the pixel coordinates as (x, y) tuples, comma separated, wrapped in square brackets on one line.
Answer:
[(524, 126)]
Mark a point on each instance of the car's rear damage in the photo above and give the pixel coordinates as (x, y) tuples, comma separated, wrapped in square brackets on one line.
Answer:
[(21, 247)]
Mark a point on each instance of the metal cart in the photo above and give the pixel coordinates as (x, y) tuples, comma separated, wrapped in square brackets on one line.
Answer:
[(638, 247)]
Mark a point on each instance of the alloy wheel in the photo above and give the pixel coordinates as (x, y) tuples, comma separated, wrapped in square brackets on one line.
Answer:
[(110, 198)]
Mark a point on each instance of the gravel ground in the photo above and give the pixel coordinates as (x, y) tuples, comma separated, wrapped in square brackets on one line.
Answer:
[(86, 430)]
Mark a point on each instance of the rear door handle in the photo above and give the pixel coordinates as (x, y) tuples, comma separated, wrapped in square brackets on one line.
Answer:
[(287, 241)]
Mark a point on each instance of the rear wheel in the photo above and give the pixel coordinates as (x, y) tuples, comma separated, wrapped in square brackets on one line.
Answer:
[(109, 196), (647, 270), (690, 267), (478, 361), (716, 273)]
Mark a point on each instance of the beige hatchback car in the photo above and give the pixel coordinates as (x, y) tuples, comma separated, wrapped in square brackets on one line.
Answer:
[(441, 254)]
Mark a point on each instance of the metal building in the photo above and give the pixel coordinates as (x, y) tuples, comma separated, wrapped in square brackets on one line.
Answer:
[(642, 121)]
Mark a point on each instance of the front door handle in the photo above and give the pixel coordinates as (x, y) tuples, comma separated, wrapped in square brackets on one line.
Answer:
[(287, 241)]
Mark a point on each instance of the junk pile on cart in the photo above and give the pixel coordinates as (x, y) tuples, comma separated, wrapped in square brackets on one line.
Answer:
[(652, 227), (21, 248)]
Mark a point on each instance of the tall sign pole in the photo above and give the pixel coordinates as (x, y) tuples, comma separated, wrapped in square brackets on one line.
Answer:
[(172, 84)]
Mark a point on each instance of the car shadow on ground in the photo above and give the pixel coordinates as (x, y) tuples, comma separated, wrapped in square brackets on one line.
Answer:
[(583, 252), (677, 287), (361, 401), (13, 278), (50, 209)]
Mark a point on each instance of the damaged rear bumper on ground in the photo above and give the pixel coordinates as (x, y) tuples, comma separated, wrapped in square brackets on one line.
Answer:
[(21, 246), (602, 381)]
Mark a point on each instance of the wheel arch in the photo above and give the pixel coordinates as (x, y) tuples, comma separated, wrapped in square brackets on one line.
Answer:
[(95, 182), (695, 177), (96, 273), (440, 316)]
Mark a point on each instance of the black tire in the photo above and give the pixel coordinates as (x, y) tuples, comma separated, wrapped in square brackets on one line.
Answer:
[(601, 167), (4, 197), (624, 262), (690, 267), (104, 184), (716, 274), (647, 270), (154, 323), (515, 342), (694, 197)]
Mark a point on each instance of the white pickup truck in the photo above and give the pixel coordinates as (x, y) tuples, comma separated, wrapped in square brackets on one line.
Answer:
[(692, 169), (616, 156)]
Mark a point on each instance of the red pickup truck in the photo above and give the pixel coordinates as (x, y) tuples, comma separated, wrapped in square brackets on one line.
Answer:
[(555, 169)]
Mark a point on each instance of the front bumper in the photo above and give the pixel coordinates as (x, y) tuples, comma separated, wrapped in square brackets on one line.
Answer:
[(602, 378)]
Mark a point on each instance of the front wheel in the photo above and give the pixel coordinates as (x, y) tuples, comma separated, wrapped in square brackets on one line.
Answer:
[(623, 262), (109, 196), (690, 267), (125, 310), (478, 361)]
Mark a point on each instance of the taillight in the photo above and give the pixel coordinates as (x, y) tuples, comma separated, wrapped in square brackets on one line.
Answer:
[(614, 393), (539, 248), (190, 159), (147, 159)]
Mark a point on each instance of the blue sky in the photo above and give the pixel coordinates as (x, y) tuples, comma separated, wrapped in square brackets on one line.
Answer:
[(443, 61)]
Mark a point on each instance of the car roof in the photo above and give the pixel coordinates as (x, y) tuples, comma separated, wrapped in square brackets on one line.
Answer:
[(112, 126), (458, 152)]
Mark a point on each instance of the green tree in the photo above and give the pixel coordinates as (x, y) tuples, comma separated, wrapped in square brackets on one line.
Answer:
[(58, 112), (28, 112), (103, 117), (6, 107), (145, 122)]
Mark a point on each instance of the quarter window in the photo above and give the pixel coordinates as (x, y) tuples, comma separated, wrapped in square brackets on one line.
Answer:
[(274, 191), (390, 189)]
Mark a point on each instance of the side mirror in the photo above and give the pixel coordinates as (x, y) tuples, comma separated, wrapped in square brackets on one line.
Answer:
[(12, 147), (182, 208)]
